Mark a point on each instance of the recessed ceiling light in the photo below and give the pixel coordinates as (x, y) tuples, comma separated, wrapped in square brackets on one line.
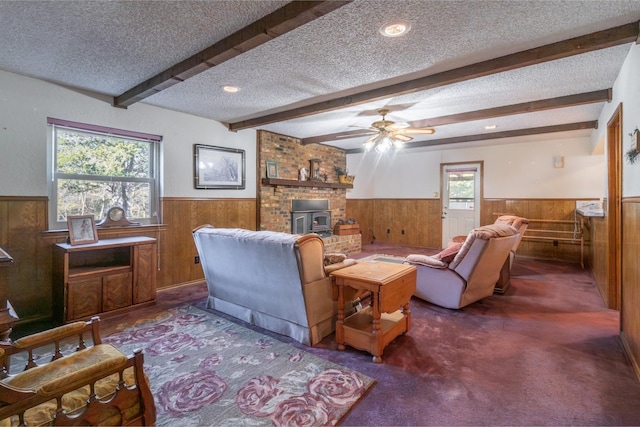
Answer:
[(230, 89), (395, 28), (490, 127)]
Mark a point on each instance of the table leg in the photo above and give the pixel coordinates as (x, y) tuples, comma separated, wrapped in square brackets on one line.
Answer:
[(340, 321), (376, 338), (407, 315)]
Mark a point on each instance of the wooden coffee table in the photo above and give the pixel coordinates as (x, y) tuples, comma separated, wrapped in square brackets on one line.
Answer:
[(374, 327)]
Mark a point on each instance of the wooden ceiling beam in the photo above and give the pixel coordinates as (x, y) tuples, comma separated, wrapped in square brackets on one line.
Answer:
[(495, 135), (281, 21), (623, 34), (603, 95)]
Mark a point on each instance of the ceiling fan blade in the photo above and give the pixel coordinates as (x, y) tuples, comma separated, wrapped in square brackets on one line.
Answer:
[(355, 134), (364, 127), (424, 131), (396, 126), (401, 137)]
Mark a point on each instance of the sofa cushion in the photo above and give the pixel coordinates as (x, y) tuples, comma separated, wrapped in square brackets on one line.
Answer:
[(427, 260), (449, 253)]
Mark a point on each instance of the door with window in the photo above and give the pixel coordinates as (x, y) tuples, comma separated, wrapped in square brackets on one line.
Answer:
[(461, 195)]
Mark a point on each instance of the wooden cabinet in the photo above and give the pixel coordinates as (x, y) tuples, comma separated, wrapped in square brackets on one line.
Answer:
[(104, 277)]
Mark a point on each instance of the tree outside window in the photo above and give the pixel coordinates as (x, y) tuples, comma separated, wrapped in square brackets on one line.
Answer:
[(461, 190)]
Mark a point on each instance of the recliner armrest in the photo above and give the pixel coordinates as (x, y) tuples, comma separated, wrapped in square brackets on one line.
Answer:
[(425, 260)]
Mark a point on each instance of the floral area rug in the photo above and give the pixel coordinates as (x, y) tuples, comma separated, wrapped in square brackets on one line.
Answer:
[(208, 371)]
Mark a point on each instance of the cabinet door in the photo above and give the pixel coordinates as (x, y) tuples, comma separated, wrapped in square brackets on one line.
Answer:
[(145, 265), (116, 291), (84, 298)]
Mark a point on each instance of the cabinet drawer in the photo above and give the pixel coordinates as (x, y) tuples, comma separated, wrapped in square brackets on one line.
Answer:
[(116, 291), (84, 298)]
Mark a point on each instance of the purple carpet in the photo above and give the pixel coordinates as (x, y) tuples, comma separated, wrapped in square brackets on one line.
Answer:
[(546, 352)]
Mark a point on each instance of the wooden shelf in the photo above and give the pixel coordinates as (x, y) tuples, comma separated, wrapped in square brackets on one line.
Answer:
[(275, 182)]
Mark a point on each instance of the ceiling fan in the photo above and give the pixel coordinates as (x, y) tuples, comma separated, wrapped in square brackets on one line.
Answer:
[(391, 134)]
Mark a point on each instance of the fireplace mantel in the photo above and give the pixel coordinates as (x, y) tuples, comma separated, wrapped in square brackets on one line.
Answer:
[(275, 182)]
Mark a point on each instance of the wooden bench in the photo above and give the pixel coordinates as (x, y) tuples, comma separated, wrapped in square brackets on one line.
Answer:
[(93, 385)]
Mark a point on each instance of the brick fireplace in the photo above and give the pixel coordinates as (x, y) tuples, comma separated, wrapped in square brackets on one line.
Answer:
[(276, 201)]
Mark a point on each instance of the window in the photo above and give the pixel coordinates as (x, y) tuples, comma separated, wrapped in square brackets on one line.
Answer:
[(95, 168), (461, 189)]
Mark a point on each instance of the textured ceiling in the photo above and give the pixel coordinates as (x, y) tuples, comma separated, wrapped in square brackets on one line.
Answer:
[(109, 47)]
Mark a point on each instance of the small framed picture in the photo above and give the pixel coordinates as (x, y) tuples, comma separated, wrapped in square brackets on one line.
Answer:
[(82, 229), (272, 170)]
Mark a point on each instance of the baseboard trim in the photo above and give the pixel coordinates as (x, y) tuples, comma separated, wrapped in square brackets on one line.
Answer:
[(629, 353), (181, 285)]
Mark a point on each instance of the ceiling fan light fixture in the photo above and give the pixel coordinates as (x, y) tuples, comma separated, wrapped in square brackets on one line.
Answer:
[(368, 145), (395, 28), (381, 148), (390, 135), (397, 144), (384, 144)]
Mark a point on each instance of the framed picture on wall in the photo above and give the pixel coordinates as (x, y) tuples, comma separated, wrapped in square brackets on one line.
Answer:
[(272, 170), (82, 229), (219, 167)]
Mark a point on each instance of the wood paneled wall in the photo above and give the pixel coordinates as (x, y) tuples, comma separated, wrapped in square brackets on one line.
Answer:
[(597, 229), (27, 283), (630, 286), (181, 216), (421, 220), (545, 209), (23, 233)]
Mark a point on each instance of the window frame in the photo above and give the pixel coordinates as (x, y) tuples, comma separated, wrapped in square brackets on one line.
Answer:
[(154, 168)]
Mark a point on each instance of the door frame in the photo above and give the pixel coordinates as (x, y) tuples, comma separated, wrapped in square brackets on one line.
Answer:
[(478, 206), (614, 209)]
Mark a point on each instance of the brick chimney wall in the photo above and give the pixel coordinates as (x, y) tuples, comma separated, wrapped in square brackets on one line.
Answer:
[(290, 156)]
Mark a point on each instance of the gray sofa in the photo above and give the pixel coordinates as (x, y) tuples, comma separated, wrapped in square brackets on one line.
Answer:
[(273, 280)]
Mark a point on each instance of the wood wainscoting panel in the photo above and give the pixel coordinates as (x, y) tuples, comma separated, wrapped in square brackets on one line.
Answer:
[(27, 283), (182, 215), (548, 210), (421, 220), (412, 222), (630, 286), (598, 231), (362, 211)]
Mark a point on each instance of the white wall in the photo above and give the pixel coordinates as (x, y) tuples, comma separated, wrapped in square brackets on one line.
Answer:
[(514, 170), (25, 104), (626, 90)]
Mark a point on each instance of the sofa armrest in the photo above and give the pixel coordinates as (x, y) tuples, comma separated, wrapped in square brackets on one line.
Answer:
[(338, 265)]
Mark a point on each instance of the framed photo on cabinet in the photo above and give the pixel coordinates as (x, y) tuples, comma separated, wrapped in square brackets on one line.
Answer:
[(82, 229)]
